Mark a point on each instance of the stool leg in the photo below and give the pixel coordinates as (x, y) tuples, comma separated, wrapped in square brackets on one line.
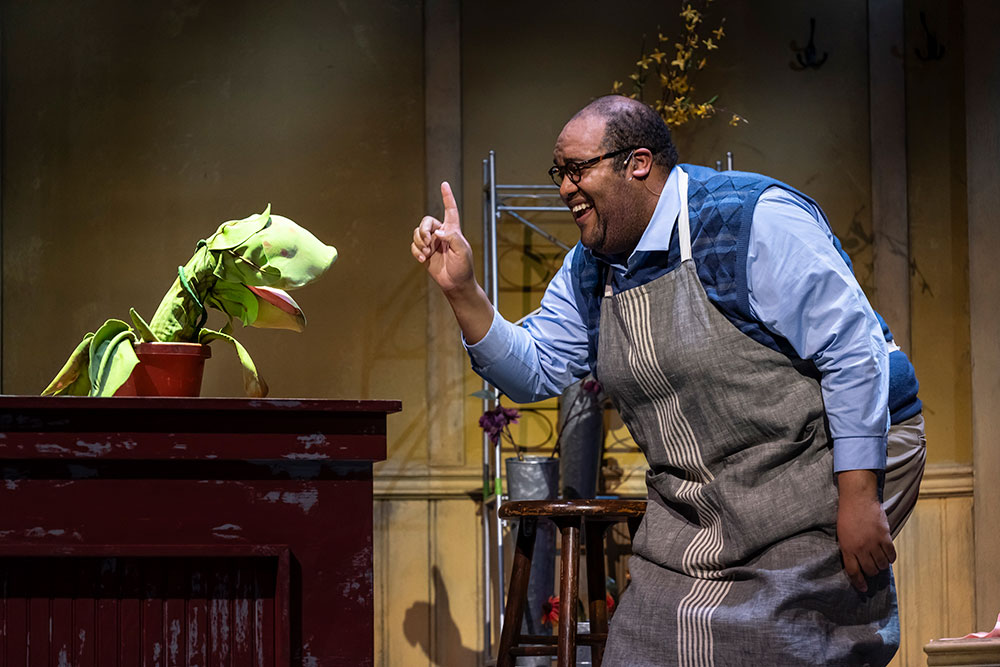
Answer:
[(597, 588), (568, 591), (517, 591)]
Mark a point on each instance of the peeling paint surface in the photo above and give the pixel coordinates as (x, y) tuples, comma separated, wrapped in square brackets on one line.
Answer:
[(182, 611), (174, 641), (304, 456), (227, 526), (51, 449), (355, 589), (285, 403), (92, 448), (38, 531), (304, 499), (227, 531), (313, 439)]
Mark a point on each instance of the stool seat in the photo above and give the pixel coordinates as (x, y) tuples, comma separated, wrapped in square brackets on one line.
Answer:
[(607, 509), (592, 516)]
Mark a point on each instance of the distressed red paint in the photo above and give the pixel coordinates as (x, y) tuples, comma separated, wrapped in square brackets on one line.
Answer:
[(187, 531)]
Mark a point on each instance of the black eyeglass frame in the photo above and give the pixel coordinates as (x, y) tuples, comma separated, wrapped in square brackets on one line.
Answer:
[(574, 170)]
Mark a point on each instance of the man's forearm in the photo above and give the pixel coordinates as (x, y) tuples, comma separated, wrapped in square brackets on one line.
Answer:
[(472, 309), (858, 484)]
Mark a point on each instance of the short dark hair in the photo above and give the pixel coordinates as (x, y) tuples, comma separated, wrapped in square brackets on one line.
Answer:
[(633, 123)]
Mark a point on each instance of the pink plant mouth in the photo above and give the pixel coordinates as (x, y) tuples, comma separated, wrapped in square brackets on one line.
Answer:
[(277, 298)]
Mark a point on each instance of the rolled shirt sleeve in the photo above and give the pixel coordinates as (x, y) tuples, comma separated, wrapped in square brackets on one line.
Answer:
[(801, 289)]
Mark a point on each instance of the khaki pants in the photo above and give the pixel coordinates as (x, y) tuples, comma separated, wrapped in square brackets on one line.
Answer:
[(904, 468)]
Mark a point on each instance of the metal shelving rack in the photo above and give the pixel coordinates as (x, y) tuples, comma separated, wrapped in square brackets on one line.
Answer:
[(499, 200)]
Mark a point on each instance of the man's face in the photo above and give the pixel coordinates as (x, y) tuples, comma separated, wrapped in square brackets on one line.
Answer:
[(601, 203)]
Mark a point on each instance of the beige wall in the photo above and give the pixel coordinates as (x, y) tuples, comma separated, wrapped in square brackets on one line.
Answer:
[(939, 242), (131, 130)]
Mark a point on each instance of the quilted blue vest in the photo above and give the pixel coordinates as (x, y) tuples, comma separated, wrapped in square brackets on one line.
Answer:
[(721, 207)]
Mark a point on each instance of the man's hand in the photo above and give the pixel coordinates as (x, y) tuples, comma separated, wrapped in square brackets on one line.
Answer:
[(862, 529), (443, 248), (448, 257)]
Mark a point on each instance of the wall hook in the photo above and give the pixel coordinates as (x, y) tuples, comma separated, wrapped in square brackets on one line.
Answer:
[(935, 49), (806, 56)]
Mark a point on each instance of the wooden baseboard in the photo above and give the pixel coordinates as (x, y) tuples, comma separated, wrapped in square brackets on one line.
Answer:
[(941, 480), (429, 484), (947, 480)]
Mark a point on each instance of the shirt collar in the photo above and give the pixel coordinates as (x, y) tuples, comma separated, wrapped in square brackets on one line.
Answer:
[(661, 225)]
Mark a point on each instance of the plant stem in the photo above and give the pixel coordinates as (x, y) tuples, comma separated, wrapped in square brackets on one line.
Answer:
[(175, 319)]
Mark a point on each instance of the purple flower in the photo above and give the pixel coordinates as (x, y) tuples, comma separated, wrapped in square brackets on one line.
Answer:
[(494, 422), (592, 387)]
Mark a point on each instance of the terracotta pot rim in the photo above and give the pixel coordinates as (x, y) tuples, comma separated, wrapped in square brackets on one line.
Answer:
[(181, 349)]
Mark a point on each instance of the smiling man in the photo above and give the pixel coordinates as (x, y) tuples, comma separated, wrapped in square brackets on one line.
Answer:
[(722, 318)]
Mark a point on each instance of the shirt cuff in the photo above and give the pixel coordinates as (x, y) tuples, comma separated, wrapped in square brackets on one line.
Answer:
[(493, 346), (859, 453)]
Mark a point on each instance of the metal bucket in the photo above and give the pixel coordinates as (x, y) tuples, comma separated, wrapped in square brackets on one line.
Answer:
[(533, 478)]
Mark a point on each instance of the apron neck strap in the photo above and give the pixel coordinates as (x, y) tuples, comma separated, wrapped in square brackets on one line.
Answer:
[(683, 219), (683, 227)]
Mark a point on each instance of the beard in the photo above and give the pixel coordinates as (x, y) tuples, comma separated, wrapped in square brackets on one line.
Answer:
[(593, 235), (615, 228)]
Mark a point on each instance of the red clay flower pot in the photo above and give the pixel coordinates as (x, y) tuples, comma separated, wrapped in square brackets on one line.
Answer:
[(167, 369)]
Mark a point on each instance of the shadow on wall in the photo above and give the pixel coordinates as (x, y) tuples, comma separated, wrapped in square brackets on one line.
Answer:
[(423, 619)]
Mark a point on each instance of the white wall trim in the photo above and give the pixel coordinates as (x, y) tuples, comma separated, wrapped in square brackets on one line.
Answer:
[(440, 483), (942, 480)]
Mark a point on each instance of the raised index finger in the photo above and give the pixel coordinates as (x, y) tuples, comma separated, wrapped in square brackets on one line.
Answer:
[(450, 206)]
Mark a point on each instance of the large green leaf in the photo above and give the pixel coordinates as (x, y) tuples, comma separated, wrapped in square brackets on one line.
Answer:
[(280, 254), (253, 383), (235, 232), (73, 379), (112, 358), (140, 325), (235, 300)]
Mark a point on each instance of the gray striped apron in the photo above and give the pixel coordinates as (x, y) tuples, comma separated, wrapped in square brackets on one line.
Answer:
[(736, 561)]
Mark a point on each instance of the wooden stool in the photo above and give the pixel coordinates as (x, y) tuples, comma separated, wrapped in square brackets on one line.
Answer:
[(569, 516)]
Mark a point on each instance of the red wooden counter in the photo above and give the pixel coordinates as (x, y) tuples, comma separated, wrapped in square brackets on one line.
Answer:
[(174, 531)]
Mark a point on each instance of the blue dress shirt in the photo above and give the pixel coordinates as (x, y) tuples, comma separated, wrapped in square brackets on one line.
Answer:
[(800, 289)]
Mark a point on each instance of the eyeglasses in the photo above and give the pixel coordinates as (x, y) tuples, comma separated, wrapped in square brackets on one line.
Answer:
[(574, 170)]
